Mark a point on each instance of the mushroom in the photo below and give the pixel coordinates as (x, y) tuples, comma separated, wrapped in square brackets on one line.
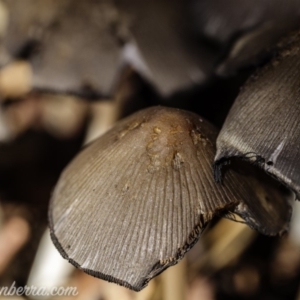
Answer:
[(94, 69), (173, 57), (222, 21), (153, 37), (248, 29), (263, 124), (133, 202)]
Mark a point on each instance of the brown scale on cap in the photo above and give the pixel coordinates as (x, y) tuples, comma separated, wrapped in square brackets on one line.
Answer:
[(132, 203)]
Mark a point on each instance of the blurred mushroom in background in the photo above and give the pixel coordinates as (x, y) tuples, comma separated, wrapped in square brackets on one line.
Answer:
[(249, 29), (61, 42)]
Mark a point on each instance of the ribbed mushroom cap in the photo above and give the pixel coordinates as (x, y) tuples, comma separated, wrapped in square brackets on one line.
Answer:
[(264, 123), (135, 201)]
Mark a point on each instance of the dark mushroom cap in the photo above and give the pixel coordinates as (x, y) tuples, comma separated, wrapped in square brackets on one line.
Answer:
[(135, 201), (249, 29), (174, 58), (263, 125), (225, 20)]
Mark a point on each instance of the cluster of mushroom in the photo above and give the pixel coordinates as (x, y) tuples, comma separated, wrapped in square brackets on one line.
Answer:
[(133, 202)]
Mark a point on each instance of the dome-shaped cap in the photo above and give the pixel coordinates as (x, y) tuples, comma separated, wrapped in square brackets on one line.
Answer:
[(136, 200)]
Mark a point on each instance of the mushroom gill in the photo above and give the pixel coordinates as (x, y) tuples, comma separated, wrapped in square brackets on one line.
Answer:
[(133, 202)]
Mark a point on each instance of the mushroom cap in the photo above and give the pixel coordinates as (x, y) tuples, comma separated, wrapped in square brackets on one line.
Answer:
[(77, 51), (223, 21), (80, 54), (263, 124), (173, 58), (135, 201), (249, 29)]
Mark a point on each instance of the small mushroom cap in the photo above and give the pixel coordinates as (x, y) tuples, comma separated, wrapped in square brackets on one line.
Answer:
[(135, 201), (263, 124)]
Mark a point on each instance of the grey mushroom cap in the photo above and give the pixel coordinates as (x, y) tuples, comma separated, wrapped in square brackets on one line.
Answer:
[(74, 49), (132, 203), (223, 21), (251, 28), (263, 125), (173, 58), (80, 54)]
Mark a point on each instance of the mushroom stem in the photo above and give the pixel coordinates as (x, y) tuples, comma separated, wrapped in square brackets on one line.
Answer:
[(229, 240), (105, 113), (174, 282), (43, 274)]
